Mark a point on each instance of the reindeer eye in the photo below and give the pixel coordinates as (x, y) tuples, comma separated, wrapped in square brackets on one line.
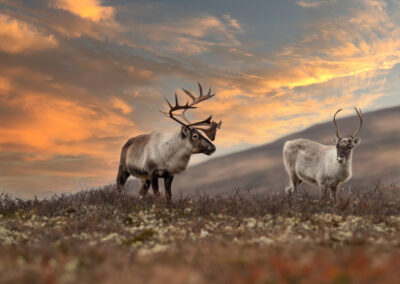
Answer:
[(195, 136)]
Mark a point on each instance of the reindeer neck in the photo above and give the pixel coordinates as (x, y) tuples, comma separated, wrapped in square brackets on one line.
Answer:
[(175, 153), (177, 145), (350, 159)]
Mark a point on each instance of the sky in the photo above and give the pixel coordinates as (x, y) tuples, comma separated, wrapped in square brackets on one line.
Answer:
[(79, 78)]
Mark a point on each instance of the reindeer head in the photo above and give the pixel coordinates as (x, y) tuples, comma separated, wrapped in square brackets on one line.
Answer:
[(345, 145), (191, 131)]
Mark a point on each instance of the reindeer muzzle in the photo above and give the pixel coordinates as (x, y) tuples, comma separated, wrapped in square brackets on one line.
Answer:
[(341, 159), (210, 150)]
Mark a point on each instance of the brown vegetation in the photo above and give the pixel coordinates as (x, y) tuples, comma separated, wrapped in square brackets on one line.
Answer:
[(100, 236)]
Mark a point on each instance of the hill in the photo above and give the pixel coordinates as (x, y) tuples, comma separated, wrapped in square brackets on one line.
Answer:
[(260, 169)]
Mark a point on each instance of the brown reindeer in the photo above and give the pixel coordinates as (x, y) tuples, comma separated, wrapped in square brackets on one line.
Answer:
[(163, 155)]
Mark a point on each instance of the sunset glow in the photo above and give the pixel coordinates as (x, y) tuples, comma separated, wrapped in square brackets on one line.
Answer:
[(79, 78)]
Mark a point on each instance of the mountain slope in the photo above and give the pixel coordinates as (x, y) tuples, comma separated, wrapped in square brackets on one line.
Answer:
[(260, 169)]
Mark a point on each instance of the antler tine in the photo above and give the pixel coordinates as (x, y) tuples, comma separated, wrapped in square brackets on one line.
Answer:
[(361, 121), (168, 102), (176, 100), (334, 121), (189, 94), (196, 100), (172, 108), (206, 121), (200, 89), (213, 126), (201, 97)]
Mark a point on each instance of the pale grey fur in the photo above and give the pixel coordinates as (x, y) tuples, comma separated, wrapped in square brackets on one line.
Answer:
[(317, 164), (164, 152)]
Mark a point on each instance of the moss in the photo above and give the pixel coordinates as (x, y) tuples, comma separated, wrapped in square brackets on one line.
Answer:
[(142, 236)]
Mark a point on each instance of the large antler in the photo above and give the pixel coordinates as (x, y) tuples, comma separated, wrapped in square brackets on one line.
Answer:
[(213, 126), (210, 131), (361, 121), (334, 121), (355, 132), (175, 108), (196, 100)]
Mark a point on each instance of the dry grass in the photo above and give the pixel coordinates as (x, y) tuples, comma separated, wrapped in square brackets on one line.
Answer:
[(100, 236)]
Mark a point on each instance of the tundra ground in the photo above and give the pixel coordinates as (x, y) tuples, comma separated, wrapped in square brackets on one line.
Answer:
[(99, 236)]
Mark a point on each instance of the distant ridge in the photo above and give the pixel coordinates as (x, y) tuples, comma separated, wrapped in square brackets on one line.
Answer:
[(260, 169)]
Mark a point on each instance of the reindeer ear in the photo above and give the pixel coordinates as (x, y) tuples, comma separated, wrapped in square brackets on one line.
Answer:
[(357, 140), (185, 131), (335, 140)]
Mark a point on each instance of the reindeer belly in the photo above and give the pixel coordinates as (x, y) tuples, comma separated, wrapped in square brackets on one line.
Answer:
[(136, 167), (138, 173), (306, 174), (308, 179)]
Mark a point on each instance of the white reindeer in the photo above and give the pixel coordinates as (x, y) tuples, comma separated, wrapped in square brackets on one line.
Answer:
[(163, 155), (324, 166)]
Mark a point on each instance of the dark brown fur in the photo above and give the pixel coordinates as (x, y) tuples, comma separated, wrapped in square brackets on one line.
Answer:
[(137, 143)]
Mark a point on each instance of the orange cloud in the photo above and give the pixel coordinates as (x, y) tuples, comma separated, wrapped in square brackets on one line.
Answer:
[(5, 85), (327, 51), (17, 36), (332, 50), (120, 104), (88, 9), (52, 125), (261, 119), (57, 117)]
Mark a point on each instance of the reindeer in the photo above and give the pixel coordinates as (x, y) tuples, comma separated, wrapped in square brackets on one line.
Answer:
[(324, 166), (163, 155)]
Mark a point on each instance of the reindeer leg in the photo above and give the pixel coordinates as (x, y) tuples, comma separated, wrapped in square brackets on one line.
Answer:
[(154, 183), (291, 189), (333, 193), (144, 187), (167, 182), (296, 182), (324, 191)]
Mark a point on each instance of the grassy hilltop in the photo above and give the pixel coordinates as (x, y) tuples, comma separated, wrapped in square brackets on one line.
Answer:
[(98, 236)]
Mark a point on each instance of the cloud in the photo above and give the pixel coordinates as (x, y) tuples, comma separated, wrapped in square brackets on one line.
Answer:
[(313, 3), (17, 36), (233, 22), (340, 59), (87, 18), (66, 112), (121, 105), (46, 125), (26, 175), (339, 44), (193, 35), (5, 85), (264, 119), (88, 9)]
